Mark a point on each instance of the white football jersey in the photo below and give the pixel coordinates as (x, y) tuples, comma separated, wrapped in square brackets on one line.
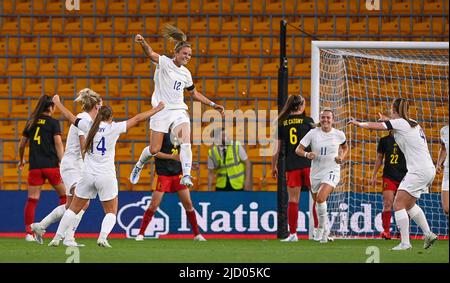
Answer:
[(326, 147), (100, 159), (444, 140), (413, 144), (170, 82), (72, 155)]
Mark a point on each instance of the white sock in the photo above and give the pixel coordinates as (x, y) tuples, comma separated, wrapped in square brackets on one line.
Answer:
[(107, 225), (417, 215), (402, 220), (66, 222), (186, 158), (53, 216), (71, 231), (322, 214), (145, 157)]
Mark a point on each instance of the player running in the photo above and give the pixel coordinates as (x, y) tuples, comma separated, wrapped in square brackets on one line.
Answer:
[(71, 168), (421, 171), (328, 151), (99, 171)]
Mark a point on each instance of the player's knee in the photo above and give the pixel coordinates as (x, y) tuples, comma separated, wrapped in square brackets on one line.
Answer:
[(320, 199), (154, 150)]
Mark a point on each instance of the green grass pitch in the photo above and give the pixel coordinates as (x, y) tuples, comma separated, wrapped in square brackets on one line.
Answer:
[(224, 251)]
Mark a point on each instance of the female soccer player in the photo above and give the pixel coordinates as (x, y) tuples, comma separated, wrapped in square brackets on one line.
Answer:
[(71, 167), (293, 125), (393, 172), (99, 172), (46, 151), (443, 161), (328, 151), (171, 79), (168, 168), (421, 171)]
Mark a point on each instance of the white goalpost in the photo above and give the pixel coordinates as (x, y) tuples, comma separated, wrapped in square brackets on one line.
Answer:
[(359, 79)]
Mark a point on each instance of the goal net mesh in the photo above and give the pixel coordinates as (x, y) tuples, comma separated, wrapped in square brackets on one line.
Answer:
[(360, 83)]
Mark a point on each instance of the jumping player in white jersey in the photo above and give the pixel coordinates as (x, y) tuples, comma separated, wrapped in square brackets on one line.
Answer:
[(328, 151), (99, 171), (171, 79), (71, 168), (443, 161), (421, 171)]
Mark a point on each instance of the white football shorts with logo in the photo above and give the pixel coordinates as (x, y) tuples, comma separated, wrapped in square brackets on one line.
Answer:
[(168, 118), (445, 180), (417, 183), (331, 178), (70, 178), (90, 185)]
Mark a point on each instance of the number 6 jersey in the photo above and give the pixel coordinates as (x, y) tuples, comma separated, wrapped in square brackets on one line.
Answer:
[(99, 160)]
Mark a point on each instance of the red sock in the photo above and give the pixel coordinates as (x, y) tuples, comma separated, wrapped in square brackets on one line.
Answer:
[(292, 217), (62, 199), (314, 211), (30, 208), (386, 218), (145, 221), (193, 221)]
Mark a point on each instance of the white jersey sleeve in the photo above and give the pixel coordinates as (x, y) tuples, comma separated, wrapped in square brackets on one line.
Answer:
[(84, 125), (120, 127), (306, 140)]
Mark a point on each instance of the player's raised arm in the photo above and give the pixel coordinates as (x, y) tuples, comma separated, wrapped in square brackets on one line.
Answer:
[(66, 112), (379, 126), (147, 49), (144, 115)]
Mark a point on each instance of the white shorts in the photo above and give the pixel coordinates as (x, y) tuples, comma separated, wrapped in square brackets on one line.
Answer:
[(90, 185), (445, 180), (70, 177), (331, 178), (417, 183), (165, 119)]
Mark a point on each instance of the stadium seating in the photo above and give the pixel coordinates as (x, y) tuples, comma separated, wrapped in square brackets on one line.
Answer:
[(235, 58)]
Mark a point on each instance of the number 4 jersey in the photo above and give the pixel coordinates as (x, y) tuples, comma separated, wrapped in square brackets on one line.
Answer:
[(292, 130), (99, 160), (42, 143)]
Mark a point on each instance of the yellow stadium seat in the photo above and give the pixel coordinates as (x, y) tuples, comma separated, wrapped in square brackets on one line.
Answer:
[(148, 7), (248, 7), (38, 47), (138, 133), (84, 68), (26, 67), (401, 7), (13, 27), (47, 28), (311, 7), (59, 68), (245, 69), (434, 7), (77, 27), (116, 25), (211, 7), (120, 7), (237, 26), (223, 47), (230, 89), (262, 90), (143, 69), (94, 7), (116, 69), (364, 25), (303, 69), (209, 26), (55, 7)]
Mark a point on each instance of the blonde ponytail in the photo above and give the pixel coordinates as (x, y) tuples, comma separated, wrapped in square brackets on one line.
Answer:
[(175, 34), (88, 99)]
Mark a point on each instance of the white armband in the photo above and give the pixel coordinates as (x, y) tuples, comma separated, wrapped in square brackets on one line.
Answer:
[(212, 104), (306, 154)]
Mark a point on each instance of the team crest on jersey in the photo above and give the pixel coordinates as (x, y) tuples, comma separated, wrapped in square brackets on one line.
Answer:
[(130, 216)]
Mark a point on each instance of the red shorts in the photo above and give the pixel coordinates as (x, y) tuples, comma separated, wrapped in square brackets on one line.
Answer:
[(169, 184), (390, 185), (298, 178), (36, 177)]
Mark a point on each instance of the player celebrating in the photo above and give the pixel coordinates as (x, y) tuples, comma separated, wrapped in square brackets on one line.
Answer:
[(168, 168), (328, 151), (393, 172), (46, 150), (421, 171), (293, 126), (99, 172), (71, 167), (443, 160), (171, 78)]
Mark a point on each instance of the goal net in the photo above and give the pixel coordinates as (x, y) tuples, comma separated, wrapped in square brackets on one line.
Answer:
[(360, 79)]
